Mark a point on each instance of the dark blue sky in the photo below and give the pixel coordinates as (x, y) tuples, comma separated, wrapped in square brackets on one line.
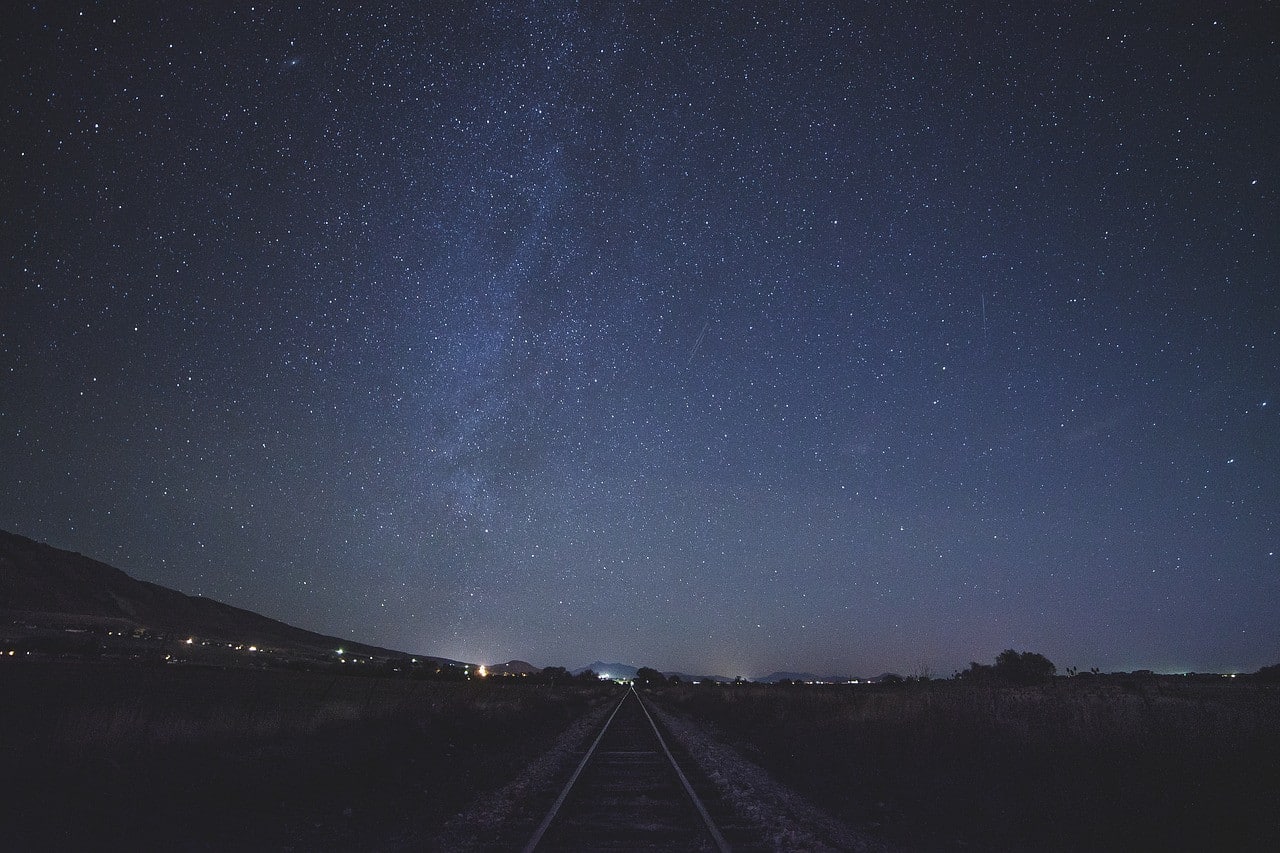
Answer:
[(850, 337)]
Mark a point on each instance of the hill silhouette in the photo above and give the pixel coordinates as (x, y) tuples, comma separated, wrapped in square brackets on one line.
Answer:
[(47, 586)]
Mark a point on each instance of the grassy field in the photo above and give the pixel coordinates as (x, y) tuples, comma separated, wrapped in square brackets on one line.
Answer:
[(1079, 764), (102, 755), (120, 756)]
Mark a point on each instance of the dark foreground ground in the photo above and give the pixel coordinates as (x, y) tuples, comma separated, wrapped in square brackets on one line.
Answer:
[(1079, 764), (100, 755), (106, 756)]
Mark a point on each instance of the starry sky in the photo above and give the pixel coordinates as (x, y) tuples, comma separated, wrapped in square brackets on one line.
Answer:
[(726, 337)]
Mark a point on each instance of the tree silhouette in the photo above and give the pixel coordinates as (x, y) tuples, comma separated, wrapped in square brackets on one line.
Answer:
[(649, 677), (1012, 668), (1269, 673), (1024, 667), (556, 674)]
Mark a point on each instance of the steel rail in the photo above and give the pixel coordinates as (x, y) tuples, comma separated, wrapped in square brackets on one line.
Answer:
[(555, 807), (720, 843), (716, 837)]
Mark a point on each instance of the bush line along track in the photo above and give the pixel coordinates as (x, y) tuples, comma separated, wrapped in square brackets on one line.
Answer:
[(628, 793)]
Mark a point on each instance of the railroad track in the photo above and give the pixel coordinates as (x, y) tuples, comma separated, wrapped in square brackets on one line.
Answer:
[(629, 793)]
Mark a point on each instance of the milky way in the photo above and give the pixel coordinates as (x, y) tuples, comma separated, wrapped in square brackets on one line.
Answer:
[(724, 337)]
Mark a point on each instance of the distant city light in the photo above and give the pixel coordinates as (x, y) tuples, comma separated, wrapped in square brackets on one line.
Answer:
[(482, 672)]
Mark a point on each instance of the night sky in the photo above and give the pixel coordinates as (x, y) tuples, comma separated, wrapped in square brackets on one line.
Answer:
[(722, 337)]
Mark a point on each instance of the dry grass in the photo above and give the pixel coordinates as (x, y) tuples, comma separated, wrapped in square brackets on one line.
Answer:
[(115, 756), (1072, 765)]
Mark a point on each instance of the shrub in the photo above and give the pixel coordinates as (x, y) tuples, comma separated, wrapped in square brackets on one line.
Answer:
[(1012, 667)]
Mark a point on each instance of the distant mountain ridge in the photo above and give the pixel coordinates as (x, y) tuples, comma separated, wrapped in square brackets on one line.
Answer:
[(52, 586), (38, 580), (626, 670), (612, 670), (775, 677), (513, 667)]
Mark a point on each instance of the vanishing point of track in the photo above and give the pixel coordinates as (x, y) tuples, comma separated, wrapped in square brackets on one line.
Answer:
[(628, 793)]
